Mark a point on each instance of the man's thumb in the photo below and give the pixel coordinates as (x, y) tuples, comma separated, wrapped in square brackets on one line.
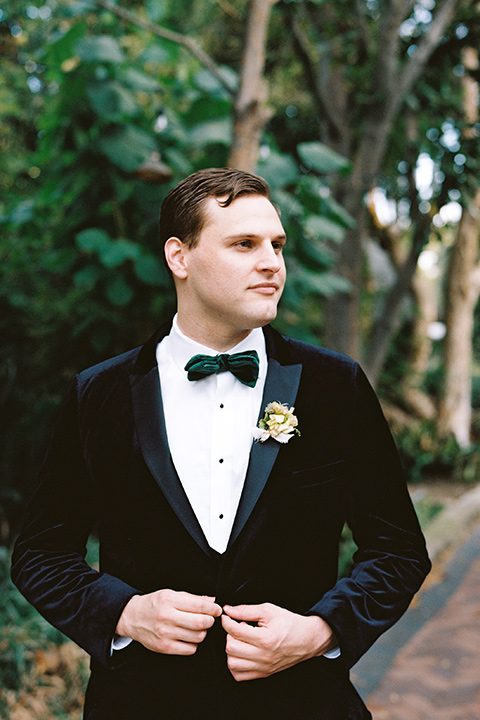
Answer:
[(248, 613)]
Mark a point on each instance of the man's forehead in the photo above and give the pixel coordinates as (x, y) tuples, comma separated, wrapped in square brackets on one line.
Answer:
[(240, 208)]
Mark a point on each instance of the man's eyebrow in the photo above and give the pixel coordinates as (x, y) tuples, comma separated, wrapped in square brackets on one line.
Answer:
[(254, 236)]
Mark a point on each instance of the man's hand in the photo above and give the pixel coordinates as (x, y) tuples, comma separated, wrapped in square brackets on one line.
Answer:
[(168, 622), (279, 640)]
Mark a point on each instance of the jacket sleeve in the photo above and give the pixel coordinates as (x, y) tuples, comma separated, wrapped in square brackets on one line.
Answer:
[(391, 561), (48, 564)]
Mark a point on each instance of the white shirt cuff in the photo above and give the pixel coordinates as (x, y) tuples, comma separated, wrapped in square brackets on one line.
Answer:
[(119, 643), (333, 654)]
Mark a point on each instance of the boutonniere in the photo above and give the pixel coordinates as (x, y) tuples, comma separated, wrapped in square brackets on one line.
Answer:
[(279, 423)]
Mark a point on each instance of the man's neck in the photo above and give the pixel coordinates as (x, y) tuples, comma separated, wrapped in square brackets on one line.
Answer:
[(209, 336)]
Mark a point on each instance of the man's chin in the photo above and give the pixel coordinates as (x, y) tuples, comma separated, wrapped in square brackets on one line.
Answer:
[(263, 320)]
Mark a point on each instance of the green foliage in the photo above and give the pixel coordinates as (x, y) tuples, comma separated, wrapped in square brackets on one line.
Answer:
[(346, 552), (23, 631), (426, 509), (321, 158), (315, 225), (81, 270), (88, 106), (100, 48), (40, 670), (427, 456), (81, 274)]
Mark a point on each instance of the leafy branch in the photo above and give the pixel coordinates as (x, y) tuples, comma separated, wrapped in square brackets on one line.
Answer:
[(184, 40)]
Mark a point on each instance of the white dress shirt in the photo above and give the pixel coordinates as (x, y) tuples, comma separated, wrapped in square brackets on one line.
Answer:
[(209, 426)]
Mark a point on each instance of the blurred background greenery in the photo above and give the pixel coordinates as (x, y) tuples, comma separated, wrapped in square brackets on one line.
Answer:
[(363, 117)]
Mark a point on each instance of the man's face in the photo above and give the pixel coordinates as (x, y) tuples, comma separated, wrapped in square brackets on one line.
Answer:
[(236, 272)]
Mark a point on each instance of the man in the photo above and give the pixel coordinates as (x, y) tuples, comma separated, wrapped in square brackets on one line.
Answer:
[(217, 595)]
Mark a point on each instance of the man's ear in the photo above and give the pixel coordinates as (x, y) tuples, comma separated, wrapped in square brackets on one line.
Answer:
[(175, 254)]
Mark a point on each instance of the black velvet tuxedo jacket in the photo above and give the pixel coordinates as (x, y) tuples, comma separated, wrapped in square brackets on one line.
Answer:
[(108, 466)]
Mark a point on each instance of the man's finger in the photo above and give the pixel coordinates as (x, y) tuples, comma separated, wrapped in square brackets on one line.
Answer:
[(192, 621), (240, 665), (241, 631), (242, 676), (243, 669), (248, 613), (186, 635), (178, 647), (237, 649), (197, 604)]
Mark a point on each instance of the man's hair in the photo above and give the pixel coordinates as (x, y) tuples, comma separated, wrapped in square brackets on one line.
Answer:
[(183, 210)]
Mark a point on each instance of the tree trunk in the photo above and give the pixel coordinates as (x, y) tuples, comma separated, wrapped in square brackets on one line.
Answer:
[(392, 80), (388, 322), (251, 113), (342, 310), (390, 318), (426, 304), (463, 290), (342, 328)]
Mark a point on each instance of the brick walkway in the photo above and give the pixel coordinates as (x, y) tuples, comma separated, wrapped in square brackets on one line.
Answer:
[(436, 674)]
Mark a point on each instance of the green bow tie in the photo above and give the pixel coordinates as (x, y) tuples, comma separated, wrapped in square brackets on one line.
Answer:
[(244, 365)]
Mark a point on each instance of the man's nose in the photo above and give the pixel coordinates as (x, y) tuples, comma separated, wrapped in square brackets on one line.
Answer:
[(269, 260)]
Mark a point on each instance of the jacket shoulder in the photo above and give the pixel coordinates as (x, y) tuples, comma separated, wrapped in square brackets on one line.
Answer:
[(313, 355), (317, 354), (119, 364)]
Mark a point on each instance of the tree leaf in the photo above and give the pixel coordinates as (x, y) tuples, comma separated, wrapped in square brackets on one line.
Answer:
[(119, 292), (111, 253), (117, 251), (207, 82), (150, 271), (212, 131), (318, 252), (111, 101), (287, 203), (178, 161), (321, 158), (156, 10), (342, 215), (23, 212), (127, 146), (207, 108), (323, 283), (58, 260), (316, 226), (159, 53), (140, 81), (278, 170), (87, 277), (92, 240), (99, 48), (64, 48)]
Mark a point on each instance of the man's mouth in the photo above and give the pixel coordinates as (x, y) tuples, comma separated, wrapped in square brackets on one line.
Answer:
[(267, 288)]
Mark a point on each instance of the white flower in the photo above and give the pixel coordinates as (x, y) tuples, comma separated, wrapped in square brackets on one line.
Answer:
[(279, 423)]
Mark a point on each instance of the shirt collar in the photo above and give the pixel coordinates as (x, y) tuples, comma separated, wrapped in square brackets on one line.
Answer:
[(182, 348)]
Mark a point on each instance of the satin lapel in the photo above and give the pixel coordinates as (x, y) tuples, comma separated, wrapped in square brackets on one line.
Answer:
[(281, 384), (152, 437)]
